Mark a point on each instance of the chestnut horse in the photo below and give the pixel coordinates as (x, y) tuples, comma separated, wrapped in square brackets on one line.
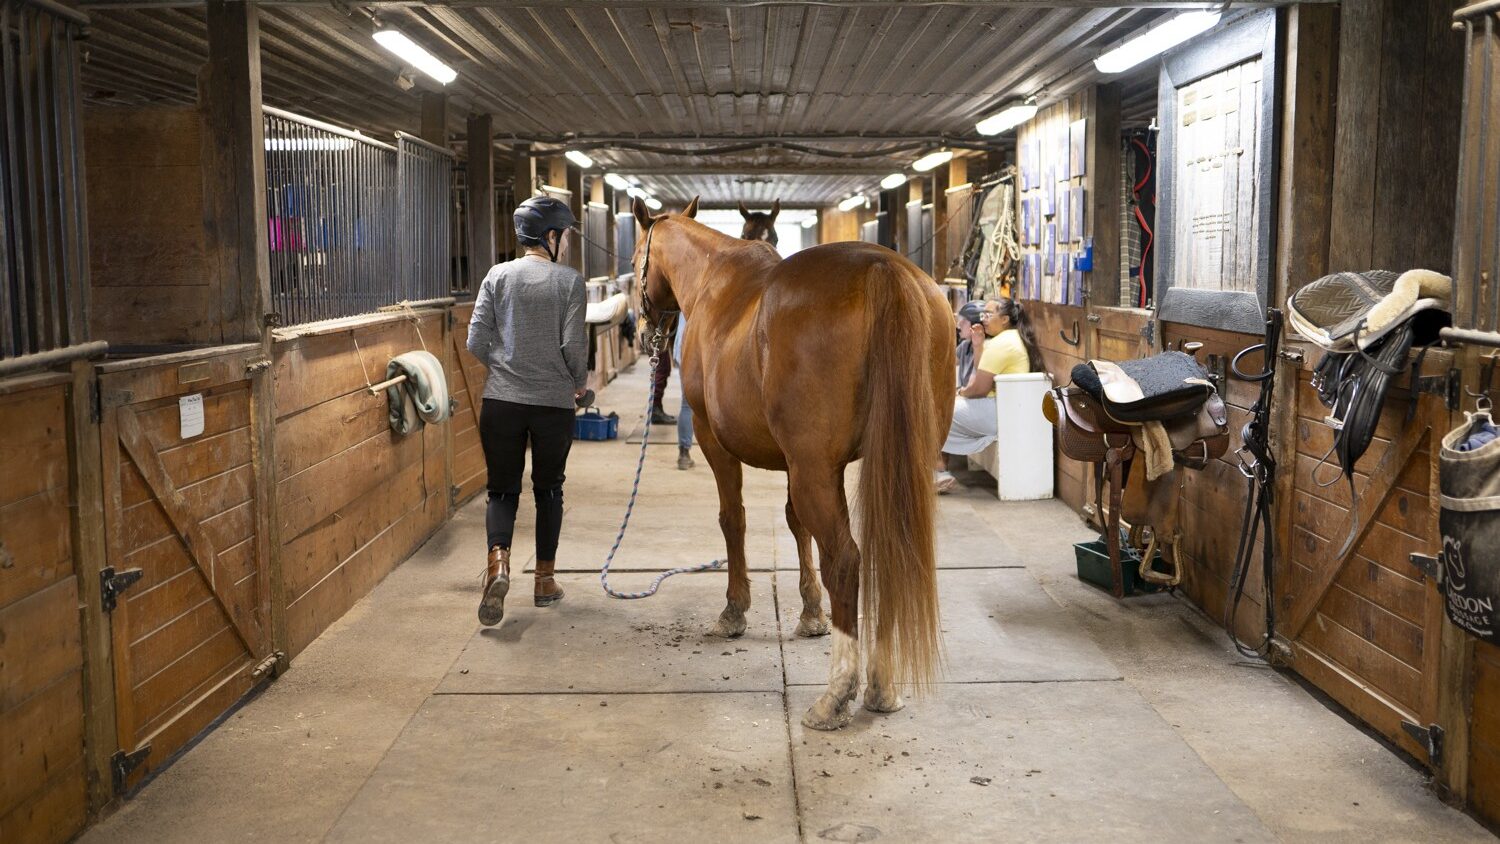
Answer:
[(805, 365), (759, 225)]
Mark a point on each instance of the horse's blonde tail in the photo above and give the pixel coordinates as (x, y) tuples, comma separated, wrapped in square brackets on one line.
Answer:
[(902, 437)]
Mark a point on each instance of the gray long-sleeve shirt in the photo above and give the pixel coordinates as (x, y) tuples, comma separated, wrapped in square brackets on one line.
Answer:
[(528, 328)]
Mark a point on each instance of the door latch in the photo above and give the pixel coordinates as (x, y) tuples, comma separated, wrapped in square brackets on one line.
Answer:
[(111, 585)]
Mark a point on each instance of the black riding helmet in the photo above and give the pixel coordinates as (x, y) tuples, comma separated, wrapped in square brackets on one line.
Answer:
[(539, 215)]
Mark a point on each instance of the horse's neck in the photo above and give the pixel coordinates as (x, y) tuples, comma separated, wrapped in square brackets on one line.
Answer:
[(696, 276)]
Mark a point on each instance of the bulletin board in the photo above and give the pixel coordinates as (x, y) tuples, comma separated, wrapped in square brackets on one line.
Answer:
[(1053, 226)]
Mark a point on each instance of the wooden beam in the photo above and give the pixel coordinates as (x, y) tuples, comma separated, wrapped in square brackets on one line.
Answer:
[(576, 200), (940, 220), (1103, 199), (481, 181), (435, 118), (234, 169)]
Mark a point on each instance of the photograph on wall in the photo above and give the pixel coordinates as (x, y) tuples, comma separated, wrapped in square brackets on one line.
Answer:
[(1060, 155), (1078, 146), (1075, 212), (1049, 191), (1032, 161), (1034, 263), (1049, 249), (1064, 277), (1064, 215), (1077, 287)]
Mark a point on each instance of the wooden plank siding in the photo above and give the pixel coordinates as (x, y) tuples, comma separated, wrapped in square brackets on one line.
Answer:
[(1073, 481), (43, 783), (467, 381), (355, 499)]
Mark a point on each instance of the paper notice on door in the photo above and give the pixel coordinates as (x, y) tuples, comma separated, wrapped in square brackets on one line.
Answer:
[(190, 412)]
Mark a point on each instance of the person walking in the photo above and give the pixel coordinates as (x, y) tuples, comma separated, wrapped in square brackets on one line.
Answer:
[(684, 412), (528, 328)]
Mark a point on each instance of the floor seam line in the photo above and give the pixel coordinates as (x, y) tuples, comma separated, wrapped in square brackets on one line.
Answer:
[(786, 702)]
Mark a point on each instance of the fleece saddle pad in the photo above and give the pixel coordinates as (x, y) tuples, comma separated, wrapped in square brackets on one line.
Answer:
[(1338, 309), (1156, 388)]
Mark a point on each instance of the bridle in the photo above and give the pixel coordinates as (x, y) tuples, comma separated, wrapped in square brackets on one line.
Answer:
[(656, 339)]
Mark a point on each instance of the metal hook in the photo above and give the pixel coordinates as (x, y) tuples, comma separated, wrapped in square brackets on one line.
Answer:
[(1075, 340), (1486, 379)]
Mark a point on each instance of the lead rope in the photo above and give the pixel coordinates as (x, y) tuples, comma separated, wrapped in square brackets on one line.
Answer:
[(635, 489)]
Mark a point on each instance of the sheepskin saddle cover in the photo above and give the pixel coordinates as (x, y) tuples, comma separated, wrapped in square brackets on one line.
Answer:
[(1338, 309)]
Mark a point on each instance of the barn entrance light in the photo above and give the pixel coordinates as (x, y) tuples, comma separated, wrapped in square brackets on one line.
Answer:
[(932, 159), (1155, 41), (810, 221), (1006, 118), (893, 181), (853, 202), (415, 55), (579, 158)]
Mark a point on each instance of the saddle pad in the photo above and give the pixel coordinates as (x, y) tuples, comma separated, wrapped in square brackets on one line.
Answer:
[(1152, 389), (1333, 309)]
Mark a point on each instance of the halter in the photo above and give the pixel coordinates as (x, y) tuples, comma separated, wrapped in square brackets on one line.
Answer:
[(656, 341)]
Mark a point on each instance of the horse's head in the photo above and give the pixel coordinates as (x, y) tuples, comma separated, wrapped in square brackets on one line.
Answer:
[(658, 301), (759, 225)]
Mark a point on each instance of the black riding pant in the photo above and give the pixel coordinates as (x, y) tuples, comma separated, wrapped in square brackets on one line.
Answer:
[(505, 428)]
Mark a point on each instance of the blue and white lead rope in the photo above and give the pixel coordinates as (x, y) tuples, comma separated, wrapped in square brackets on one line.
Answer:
[(635, 490)]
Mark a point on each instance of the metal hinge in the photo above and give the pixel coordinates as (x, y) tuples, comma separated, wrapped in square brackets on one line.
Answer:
[(112, 584), (1445, 385), (255, 366), (270, 666), (122, 764), (1292, 356), (96, 402), (1427, 563), (1149, 332), (1430, 737), (453, 493)]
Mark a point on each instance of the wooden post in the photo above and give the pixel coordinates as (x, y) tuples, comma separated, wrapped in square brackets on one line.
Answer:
[(435, 118), (557, 172), (100, 736), (1103, 181), (576, 201), (235, 168), (481, 198), (939, 222), (525, 172), (596, 190)]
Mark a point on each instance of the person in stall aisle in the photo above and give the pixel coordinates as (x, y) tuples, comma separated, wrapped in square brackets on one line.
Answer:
[(684, 412), (1006, 344)]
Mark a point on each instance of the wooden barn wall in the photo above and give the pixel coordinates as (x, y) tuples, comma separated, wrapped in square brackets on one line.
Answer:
[(466, 378), (1484, 739), (353, 499), (43, 793), (1073, 481), (835, 225), (153, 276)]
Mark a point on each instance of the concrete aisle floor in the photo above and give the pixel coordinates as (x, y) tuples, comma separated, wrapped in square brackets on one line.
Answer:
[(1064, 715)]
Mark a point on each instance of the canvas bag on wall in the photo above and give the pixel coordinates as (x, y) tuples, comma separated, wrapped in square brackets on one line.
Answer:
[(1470, 524)]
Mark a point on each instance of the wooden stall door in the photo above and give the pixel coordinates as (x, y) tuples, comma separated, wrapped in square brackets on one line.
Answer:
[(1367, 628), (467, 388), (1121, 333), (184, 513)]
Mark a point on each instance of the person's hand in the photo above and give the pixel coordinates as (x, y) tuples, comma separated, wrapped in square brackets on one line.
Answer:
[(579, 393)]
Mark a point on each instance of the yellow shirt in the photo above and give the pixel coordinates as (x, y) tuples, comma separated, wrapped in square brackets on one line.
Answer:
[(1005, 354)]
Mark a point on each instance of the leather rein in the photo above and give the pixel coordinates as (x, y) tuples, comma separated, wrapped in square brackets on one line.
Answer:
[(661, 329)]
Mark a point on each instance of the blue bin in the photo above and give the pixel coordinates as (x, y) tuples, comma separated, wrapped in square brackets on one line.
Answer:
[(593, 425)]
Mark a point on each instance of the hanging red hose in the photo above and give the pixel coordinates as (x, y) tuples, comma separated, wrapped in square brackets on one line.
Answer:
[(1141, 218)]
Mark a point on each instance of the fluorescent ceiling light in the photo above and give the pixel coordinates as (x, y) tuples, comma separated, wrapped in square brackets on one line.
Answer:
[(852, 202), (635, 193), (413, 54), (893, 181), (1156, 40), (616, 181), (334, 144), (579, 158), (809, 222), (931, 160), (653, 203), (1006, 119)]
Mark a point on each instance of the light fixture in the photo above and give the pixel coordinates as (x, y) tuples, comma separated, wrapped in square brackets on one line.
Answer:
[(893, 181), (653, 203), (636, 193), (932, 159), (579, 158), (809, 222), (853, 202), (616, 181), (415, 55), (334, 144), (1006, 118), (1155, 40)]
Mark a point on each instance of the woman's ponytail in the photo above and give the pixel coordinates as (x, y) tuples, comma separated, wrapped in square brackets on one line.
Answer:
[(1022, 322)]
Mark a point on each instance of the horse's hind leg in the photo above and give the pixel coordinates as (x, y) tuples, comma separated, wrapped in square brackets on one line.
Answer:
[(880, 693), (819, 499), (813, 621), (729, 476)]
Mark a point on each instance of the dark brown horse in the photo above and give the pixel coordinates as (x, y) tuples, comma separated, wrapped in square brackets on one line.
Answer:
[(759, 225), (805, 365)]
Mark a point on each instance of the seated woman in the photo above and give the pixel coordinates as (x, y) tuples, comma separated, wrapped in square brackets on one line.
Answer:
[(1006, 345)]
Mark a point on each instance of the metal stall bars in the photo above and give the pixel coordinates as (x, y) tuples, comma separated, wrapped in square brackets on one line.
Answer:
[(426, 175), (332, 214), (44, 296)]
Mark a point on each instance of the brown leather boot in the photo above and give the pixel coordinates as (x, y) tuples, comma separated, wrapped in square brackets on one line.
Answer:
[(547, 591), (496, 584)]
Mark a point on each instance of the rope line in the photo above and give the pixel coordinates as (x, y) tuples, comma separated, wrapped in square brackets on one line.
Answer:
[(635, 489)]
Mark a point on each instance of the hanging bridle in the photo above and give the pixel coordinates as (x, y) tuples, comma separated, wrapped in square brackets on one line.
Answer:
[(656, 340)]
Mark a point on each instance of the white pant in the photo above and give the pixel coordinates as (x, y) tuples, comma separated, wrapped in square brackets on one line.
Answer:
[(974, 426)]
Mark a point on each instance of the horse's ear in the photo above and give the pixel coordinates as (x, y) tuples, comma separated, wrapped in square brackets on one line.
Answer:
[(642, 214), (744, 212), (775, 209), (691, 210)]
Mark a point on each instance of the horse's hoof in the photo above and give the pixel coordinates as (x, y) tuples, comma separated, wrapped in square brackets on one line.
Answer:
[(826, 715), (812, 626), (883, 700), (729, 626)]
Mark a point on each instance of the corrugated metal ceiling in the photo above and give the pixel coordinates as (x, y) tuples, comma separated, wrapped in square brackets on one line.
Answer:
[(854, 78)]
